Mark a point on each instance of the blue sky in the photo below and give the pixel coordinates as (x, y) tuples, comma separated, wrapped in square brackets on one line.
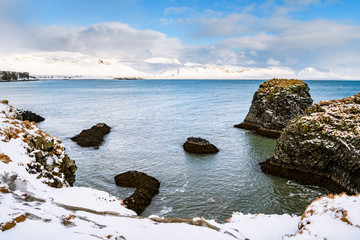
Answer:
[(289, 33), (164, 15)]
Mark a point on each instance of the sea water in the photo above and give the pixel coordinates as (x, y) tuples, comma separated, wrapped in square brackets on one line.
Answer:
[(151, 119)]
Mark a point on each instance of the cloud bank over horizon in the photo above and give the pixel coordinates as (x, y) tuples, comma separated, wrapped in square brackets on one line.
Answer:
[(244, 33)]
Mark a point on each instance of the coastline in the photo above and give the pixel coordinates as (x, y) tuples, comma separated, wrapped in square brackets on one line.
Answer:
[(239, 225)]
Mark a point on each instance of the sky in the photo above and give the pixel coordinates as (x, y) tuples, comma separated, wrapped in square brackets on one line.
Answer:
[(324, 34)]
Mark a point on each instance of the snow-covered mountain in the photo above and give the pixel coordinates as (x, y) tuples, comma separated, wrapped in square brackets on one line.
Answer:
[(68, 64)]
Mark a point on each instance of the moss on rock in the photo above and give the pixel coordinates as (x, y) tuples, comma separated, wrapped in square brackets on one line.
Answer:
[(274, 104), (324, 143)]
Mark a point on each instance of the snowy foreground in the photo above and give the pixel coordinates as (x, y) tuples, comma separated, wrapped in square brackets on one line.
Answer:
[(78, 66), (31, 209)]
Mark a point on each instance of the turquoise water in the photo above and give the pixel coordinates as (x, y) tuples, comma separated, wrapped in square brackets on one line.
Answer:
[(150, 121)]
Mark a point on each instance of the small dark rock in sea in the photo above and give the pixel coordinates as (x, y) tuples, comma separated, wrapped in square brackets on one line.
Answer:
[(146, 187), (199, 146), (92, 137), (30, 116), (274, 104)]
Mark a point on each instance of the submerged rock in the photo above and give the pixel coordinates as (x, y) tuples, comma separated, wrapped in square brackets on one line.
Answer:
[(274, 104), (322, 147), (30, 116), (92, 137), (199, 145), (146, 187)]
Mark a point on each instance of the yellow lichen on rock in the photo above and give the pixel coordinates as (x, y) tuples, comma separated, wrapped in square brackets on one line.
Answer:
[(274, 83), (4, 158), (3, 189), (9, 225)]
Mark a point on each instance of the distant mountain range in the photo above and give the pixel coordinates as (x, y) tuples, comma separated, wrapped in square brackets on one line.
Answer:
[(76, 65)]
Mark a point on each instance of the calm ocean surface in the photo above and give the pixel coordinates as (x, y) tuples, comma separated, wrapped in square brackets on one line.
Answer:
[(150, 121)]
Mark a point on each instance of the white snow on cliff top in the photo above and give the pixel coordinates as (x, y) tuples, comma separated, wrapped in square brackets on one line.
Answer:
[(85, 66), (33, 210)]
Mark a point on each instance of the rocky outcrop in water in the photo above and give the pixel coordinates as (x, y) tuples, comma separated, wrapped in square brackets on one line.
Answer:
[(30, 116), (322, 147), (146, 187), (92, 137), (199, 146), (274, 104)]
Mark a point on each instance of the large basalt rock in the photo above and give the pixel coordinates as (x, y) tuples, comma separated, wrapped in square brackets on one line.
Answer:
[(92, 137), (146, 187), (322, 147), (199, 146), (274, 104), (30, 116)]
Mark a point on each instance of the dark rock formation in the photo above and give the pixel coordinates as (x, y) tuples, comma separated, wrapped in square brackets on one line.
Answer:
[(7, 76), (30, 116), (199, 145), (92, 137), (146, 187), (322, 147), (274, 104)]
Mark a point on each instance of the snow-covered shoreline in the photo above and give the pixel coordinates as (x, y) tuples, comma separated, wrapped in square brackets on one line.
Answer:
[(30, 208), (68, 65)]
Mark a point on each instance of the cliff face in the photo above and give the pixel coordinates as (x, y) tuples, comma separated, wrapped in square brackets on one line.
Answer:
[(322, 147), (274, 104)]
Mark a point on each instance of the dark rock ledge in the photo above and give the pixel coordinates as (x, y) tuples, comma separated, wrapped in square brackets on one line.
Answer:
[(146, 187), (274, 104), (92, 137), (199, 146), (30, 116), (322, 147)]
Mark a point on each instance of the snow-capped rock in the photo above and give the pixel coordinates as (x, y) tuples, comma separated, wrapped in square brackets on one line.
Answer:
[(322, 147)]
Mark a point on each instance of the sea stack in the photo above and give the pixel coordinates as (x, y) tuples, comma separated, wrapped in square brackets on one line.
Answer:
[(322, 147), (274, 104), (199, 146)]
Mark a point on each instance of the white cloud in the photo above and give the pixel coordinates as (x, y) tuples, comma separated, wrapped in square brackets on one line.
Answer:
[(253, 53), (273, 62), (261, 41), (178, 10), (240, 39), (231, 25), (114, 39)]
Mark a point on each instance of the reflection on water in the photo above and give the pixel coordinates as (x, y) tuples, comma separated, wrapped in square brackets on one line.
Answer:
[(150, 121)]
